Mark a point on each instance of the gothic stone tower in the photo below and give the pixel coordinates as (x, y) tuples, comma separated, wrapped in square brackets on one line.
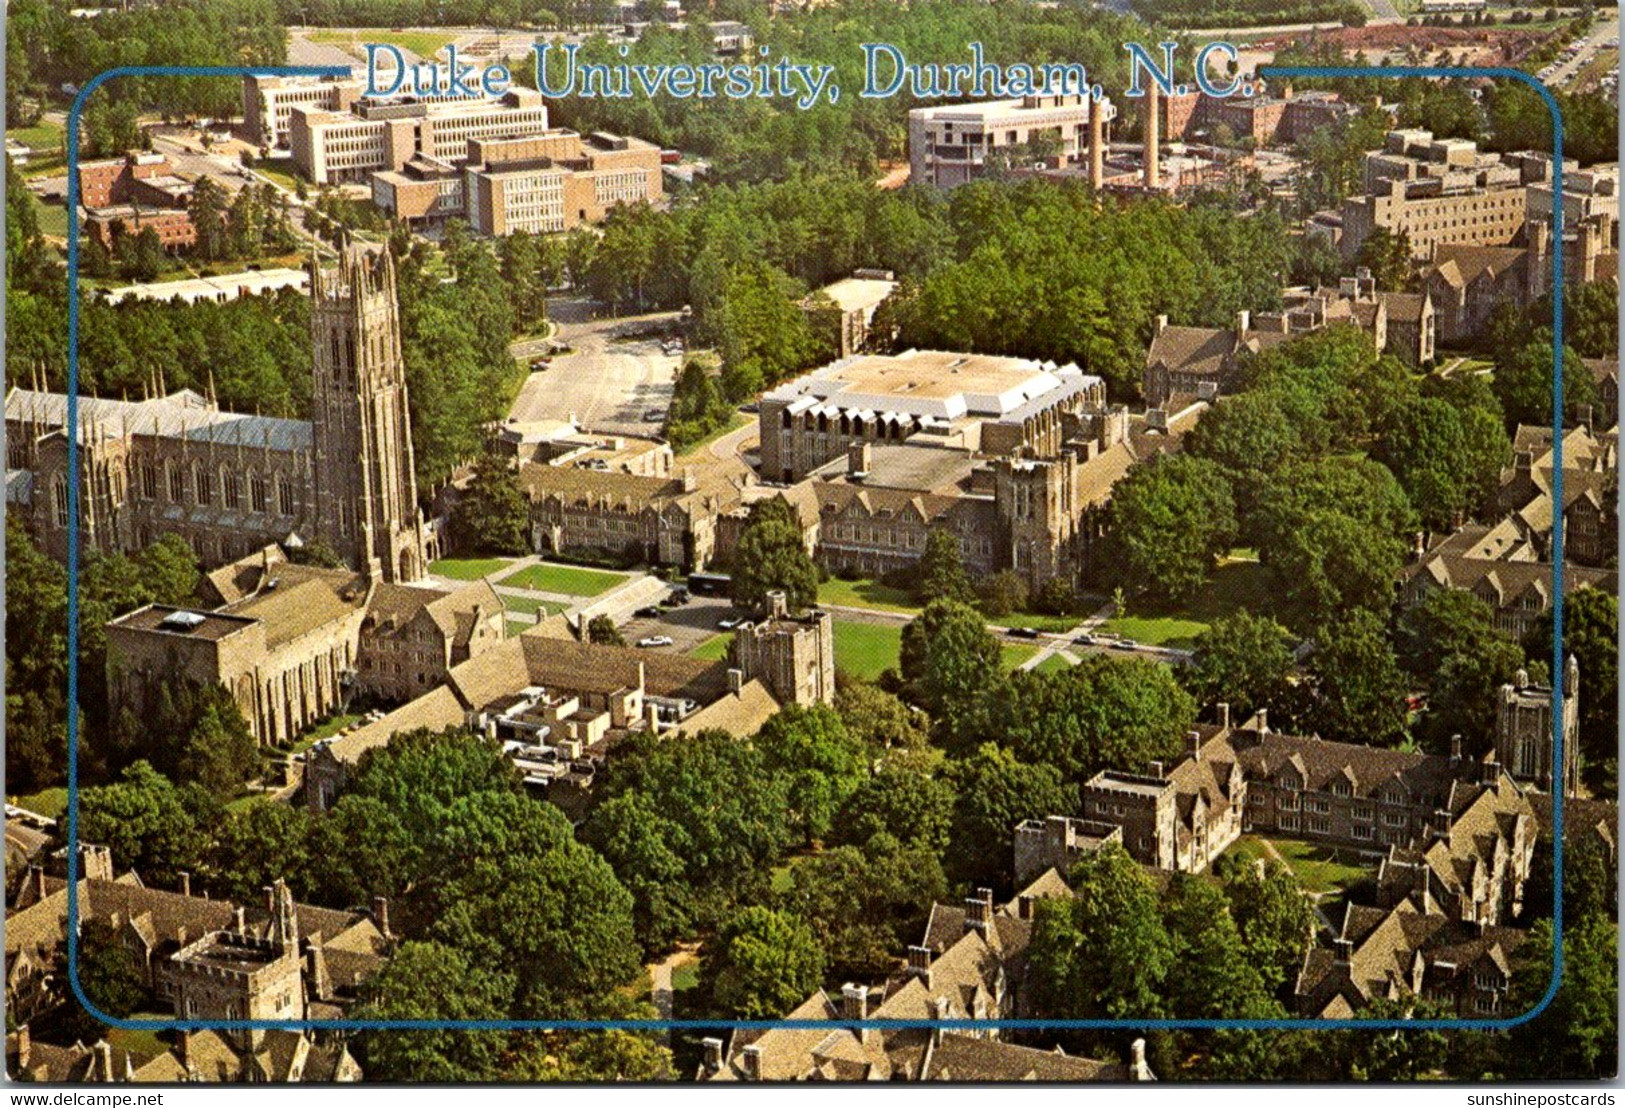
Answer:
[(366, 494)]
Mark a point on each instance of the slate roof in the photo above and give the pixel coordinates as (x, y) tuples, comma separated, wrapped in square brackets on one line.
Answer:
[(181, 415)]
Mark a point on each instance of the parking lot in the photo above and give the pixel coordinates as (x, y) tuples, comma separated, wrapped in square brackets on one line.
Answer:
[(687, 626)]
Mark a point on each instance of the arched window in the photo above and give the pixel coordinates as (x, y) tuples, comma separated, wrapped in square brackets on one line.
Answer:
[(256, 492), (230, 495), (284, 496), (202, 484)]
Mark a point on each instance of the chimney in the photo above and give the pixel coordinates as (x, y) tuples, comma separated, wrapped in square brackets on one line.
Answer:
[(736, 680), (1261, 721), (317, 979), (690, 482), (36, 877), (186, 883), (1138, 1070), (1097, 145), (183, 1047), (104, 1061), (713, 1054), (979, 910), (1524, 461), (1343, 949), (1193, 745), (1153, 146), (778, 604), (1244, 322), (25, 1046), (750, 1061), (1224, 715), (859, 458), (240, 920), (1162, 324), (380, 915), (939, 1012), (1455, 749), (1419, 545), (270, 899), (1492, 772), (855, 1005), (919, 963), (1441, 822)]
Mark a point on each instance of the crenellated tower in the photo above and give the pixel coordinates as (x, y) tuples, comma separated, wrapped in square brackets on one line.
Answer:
[(366, 493)]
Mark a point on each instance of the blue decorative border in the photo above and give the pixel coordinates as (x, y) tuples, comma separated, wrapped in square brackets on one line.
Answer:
[(946, 1024)]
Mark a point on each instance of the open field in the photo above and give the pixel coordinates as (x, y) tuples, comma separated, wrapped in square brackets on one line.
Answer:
[(866, 650), (868, 593), (468, 569), (425, 44), (1237, 583), (568, 580)]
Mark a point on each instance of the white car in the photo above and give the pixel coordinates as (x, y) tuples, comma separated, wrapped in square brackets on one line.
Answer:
[(727, 624), (655, 640)]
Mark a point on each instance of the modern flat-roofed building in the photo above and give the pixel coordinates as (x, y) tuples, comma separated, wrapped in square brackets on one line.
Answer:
[(952, 144), (1436, 191), (982, 402), (331, 146), (268, 103), (557, 180)]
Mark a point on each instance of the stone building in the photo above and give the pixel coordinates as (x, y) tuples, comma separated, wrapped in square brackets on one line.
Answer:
[(294, 644), (230, 483), (845, 310), (606, 513), (1525, 737), (970, 964), (792, 654), (951, 144)]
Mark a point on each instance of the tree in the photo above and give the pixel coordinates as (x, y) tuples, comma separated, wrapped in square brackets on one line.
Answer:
[(1332, 567), (864, 902), (952, 667), (642, 847), (1170, 519), (113, 981), (821, 763), (767, 963), (1359, 691), (941, 572), (1105, 953), (914, 807), (995, 792), (1102, 712), (1447, 460), (1388, 256), (1449, 645), (1276, 920), (519, 890), (433, 981), (772, 555), (260, 844), (1242, 660), (1524, 377), (602, 630), (492, 517), (144, 821), (1002, 593), (1217, 979), (878, 719)]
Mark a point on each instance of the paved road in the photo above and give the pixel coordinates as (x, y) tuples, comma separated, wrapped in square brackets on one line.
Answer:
[(614, 377)]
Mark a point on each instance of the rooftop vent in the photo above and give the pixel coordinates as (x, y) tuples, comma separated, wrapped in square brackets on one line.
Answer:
[(181, 621)]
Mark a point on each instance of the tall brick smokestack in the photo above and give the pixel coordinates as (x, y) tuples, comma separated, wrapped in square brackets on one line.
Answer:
[(1097, 145), (1153, 147)]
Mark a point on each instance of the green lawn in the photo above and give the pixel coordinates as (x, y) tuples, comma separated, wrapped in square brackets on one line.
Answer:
[(685, 977), (713, 649), (280, 170), (468, 569), (425, 44), (145, 1043), (1053, 664), (53, 220), (49, 803), (531, 605), (324, 730), (1016, 653), (569, 580), (866, 650), (1239, 582), (867, 593), (1320, 869)]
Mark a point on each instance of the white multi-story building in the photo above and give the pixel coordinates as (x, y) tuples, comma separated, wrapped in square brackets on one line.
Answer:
[(950, 145)]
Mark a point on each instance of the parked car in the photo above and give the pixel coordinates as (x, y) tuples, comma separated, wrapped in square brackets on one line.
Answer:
[(679, 596), (1023, 632), (654, 415), (727, 624), (655, 640), (651, 612), (1124, 644)]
